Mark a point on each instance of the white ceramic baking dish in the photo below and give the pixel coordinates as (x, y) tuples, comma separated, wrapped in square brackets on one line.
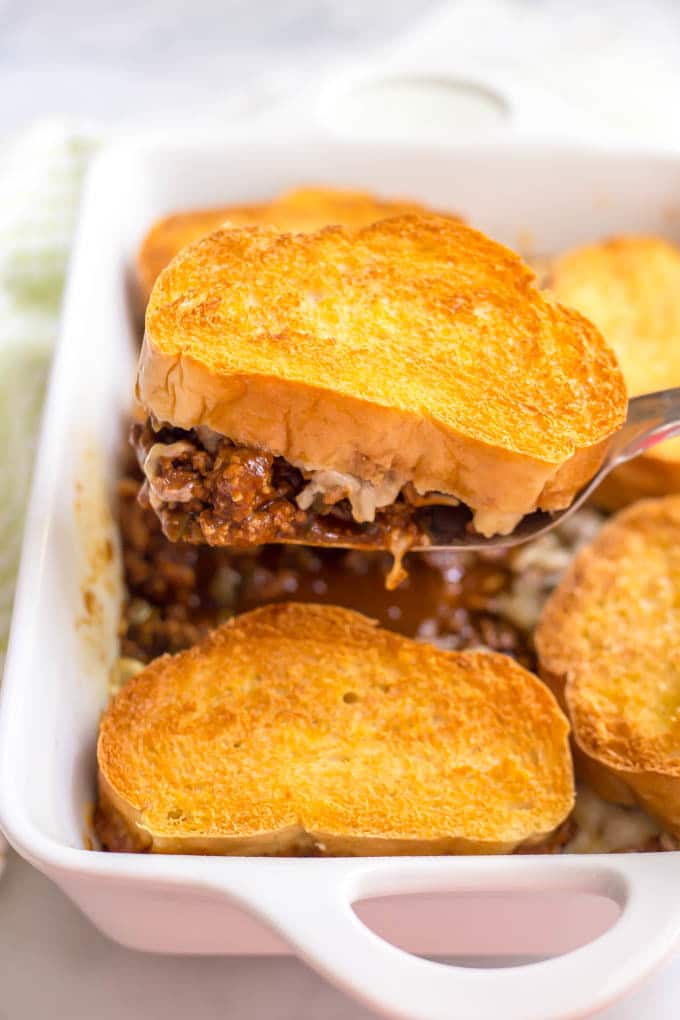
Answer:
[(63, 638)]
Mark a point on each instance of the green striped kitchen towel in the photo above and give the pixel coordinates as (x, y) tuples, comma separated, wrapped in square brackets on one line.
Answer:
[(41, 173)]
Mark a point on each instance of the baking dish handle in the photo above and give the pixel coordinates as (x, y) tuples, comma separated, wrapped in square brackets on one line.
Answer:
[(314, 914)]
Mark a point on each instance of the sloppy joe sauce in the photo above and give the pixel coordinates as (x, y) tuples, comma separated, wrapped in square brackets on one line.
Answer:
[(178, 591)]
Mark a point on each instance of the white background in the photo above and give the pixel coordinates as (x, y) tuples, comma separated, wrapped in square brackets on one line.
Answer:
[(616, 63)]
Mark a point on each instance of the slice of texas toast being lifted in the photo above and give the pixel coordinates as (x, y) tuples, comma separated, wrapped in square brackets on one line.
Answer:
[(307, 729), (332, 388), (609, 645), (299, 210)]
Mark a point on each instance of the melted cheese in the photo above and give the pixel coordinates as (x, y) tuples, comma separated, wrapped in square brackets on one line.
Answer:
[(603, 827), (493, 522), (166, 451), (364, 497)]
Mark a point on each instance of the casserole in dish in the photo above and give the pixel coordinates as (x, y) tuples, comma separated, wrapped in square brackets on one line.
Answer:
[(68, 601)]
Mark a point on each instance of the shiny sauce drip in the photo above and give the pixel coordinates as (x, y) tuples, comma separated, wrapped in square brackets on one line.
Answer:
[(177, 591)]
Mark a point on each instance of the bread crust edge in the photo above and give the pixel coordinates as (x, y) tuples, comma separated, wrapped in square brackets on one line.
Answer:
[(324, 428)]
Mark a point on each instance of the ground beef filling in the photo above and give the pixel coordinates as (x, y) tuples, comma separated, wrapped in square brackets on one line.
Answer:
[(177, 592), (240, 496)]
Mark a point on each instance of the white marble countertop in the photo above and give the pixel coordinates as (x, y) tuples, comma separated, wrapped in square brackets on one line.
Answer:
[(616, 62)]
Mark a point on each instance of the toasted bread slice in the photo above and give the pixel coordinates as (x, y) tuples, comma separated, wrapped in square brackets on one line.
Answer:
[(629, 288), (415, 350), (305, 728), (299, 210), (609, 645)]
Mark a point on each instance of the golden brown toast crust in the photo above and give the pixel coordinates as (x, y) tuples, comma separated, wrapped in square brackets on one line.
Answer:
[(416, 346), (307, 726), (629, 287), (299, 210), (609, 646)]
